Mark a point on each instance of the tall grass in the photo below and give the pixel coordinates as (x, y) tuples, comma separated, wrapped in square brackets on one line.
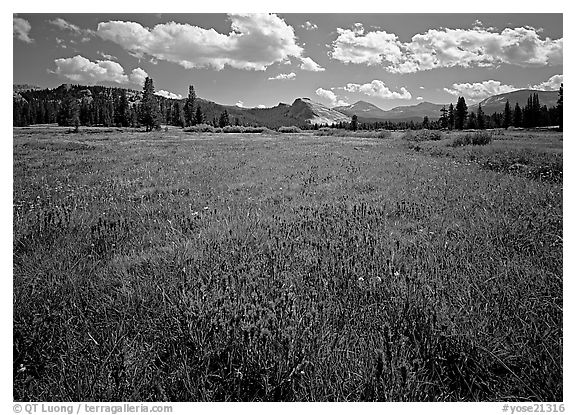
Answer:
[(152, 269)]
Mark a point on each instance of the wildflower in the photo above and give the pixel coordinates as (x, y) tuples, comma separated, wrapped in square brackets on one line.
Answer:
[(361, 279), (397, 273)]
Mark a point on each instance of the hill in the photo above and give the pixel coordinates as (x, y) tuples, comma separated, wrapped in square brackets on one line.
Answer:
[(496, 103), (40, 106), (370, 112)]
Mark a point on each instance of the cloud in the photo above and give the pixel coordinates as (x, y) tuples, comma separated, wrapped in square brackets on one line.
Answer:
[(444, 48), (61, 43), (255, 42), (21, 29), (477, 91), (330, 96), (552, 84), (378, 89), (106, 56), (138, 76), (82, 70), (240, 104), (67, 26), (419, 98), (309, 26), (64, 25), (421, 87), (309, 65), (168, 94), (261, 106), (283, 76)]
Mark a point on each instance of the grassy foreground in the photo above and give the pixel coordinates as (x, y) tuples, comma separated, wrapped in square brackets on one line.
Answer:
[(185, 267)]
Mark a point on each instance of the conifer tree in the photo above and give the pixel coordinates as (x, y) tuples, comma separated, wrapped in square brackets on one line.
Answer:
[(224, 119), (149, 115), (189, 115), (198, 117), (451, 117), (560, 107), (461, 113), (69, 111), (480, 118), (444, 117), (354, 124), (517, 118), (507, 122)]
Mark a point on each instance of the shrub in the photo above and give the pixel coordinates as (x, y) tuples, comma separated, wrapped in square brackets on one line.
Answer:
[(338, 132), (291, 129), (479, 138), (242, 129), (423, 135), (200, 128)]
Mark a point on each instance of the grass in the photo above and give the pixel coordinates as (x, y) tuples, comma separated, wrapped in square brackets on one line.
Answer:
[(339, 132), (170, 266)]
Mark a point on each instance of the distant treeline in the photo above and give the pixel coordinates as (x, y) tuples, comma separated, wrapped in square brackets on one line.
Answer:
[(459, 117), (76, 105)]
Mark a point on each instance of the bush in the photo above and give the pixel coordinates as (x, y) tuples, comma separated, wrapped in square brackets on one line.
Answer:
[(338, 132), (242, 129), (423, 135), (200, 128), (480, 138), (291, 129)]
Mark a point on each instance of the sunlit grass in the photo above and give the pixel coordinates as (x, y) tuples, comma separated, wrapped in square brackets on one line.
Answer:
[(182, 267)]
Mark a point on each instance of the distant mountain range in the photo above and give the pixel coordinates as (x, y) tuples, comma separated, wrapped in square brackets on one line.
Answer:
[(302, 112), (496, 103)]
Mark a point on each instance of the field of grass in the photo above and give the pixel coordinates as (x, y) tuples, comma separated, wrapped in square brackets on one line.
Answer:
[(183, 267)]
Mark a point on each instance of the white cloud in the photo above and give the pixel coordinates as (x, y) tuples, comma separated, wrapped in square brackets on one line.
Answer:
[(479, 46), (60, 42), (105, 55), (138, 76), (477, 91), (283, 76), (552, 84), (64, 25), (21, 29), (309, 65), (261, 106), (240, 104), (330, 96), (421, 87), (419, 98), (309, 26), (168, 94), (377, 88), (255, 42), (82, 70), (352, 46)]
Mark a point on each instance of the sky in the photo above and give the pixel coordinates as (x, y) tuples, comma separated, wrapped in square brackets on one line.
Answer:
[(262, 59)]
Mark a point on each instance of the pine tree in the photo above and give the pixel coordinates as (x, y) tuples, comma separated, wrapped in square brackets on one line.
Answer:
[(444, 117), (507, 115), (189, 117), (560, 107), (354, 124), (472, 124), (149, 115), (199, 117), (461, 113), (517, 118), (224, 119), (121, 115), (451, 117), (480, 122), (426, 122), (69, 111)]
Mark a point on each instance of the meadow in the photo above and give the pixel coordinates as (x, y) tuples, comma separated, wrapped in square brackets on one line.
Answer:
[(184, 266)]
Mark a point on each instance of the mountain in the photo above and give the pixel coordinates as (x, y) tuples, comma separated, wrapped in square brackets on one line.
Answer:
[(370, 112), (40, 106), (362, 109), (316, 113), (496, 103)]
